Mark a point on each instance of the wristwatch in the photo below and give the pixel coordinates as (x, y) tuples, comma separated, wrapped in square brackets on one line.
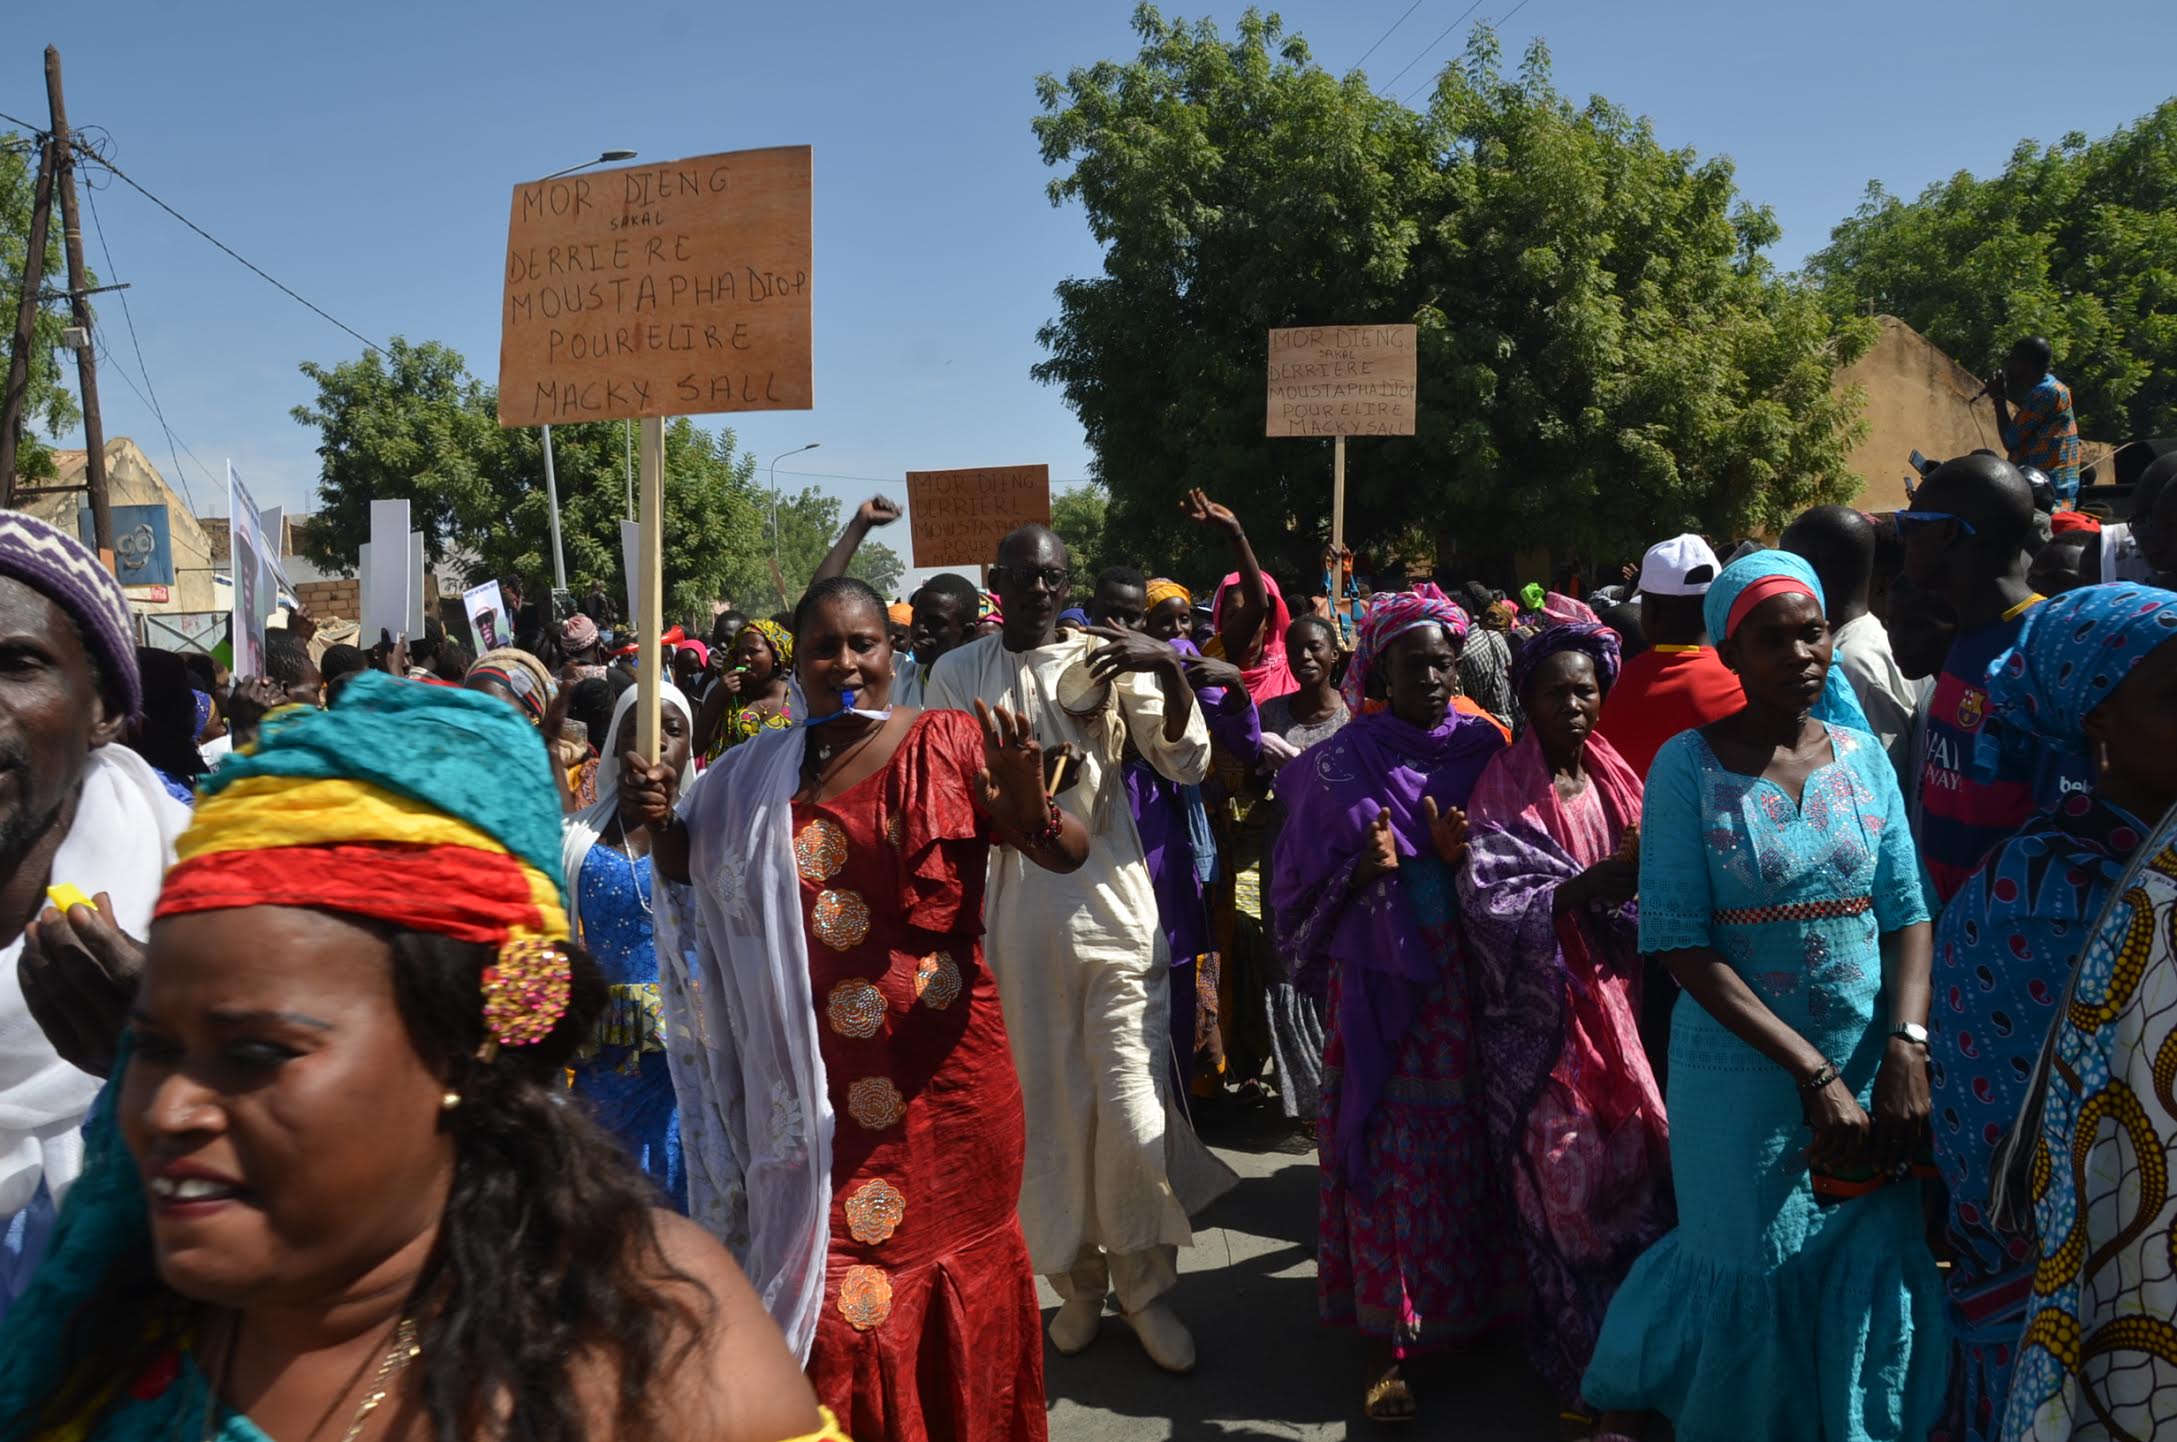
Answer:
[(1911, 1031)]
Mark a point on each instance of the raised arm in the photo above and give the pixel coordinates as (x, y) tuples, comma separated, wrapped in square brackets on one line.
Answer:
[(876, 511), (1245, 614)]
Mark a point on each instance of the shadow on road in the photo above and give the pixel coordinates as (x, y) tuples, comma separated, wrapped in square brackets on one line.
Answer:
[(1268, 1369)]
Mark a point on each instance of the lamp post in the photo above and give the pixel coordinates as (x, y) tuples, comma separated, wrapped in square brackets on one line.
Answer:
[(551, 480), (782, 455)]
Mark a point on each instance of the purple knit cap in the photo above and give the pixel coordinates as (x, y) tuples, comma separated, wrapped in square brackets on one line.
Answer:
[(68, 573)]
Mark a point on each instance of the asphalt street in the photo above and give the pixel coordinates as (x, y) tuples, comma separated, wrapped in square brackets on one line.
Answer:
[(1267, 1368)]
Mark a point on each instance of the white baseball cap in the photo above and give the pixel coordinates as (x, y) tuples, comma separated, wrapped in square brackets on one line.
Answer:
[(1680, 566)]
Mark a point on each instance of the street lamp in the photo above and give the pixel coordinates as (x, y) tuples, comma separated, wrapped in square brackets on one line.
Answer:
[(608, 157), (551, 480), (782, 455)]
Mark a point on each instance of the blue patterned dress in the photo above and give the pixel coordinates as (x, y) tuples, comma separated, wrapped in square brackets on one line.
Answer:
[(624, 1074), (2003, 956), (1765, 1314)]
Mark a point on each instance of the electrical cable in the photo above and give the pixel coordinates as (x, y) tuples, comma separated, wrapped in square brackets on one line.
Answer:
[(151, 396), (246, 263), (1386, 35), (1426, 49), (1496, 24)]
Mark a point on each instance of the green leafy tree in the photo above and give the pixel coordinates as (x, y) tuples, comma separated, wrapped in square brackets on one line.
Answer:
[(414, 424), (809, 522), (1603, 353), (2075, 241), (49, 406), (1078, 517)]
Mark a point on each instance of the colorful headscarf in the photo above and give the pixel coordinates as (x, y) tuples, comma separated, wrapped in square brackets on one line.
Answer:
[(2072, 651), (519, 672), (202, 701), (701, 652), (427, 807), (1391, 615), (986, 606), (899, 613), (1572, 627), (1532, 595), (781, 641), (1758, 576), (1074, 616), (1163, 589)]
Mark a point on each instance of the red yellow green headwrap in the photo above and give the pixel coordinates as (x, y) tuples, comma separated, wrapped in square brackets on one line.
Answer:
[(425, 807)]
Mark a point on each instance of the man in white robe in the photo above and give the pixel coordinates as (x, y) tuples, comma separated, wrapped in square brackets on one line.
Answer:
[(78, 810), (1113, 1169)]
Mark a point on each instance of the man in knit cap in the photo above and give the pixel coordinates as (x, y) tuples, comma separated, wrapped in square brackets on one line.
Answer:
[(76, 811)]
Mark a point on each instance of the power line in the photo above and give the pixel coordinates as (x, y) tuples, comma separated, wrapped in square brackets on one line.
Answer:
[(151, 398), (1494, 24), (258, 270), (1386, 35), (901, 480), (1431, 46)]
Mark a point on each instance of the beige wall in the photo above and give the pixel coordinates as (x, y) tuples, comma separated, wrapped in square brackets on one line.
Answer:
[(131, 480), (1916, 400)]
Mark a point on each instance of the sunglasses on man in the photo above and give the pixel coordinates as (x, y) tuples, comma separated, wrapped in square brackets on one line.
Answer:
[(1052, 578)]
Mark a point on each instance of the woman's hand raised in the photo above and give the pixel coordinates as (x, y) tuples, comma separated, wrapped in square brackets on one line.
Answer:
[(1447, 830), (1011, 780)]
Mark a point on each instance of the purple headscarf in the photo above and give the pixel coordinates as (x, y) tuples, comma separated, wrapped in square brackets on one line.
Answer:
[(1390, 955), (1568, 626)]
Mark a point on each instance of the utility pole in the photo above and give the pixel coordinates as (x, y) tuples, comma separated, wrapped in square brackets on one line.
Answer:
[(79, 304), (26, 323)]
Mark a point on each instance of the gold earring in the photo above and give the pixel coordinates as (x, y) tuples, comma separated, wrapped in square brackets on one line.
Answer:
[(449, 1101)]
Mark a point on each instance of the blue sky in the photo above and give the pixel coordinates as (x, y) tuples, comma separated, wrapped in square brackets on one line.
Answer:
[(364, 155)]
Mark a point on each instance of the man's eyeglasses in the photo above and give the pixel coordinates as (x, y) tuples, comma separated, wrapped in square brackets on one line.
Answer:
[(1053, 578), (1935, 518)]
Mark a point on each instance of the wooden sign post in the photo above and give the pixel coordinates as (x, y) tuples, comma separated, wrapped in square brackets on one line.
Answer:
[(1339, 381), (957, 518), (652, 291)]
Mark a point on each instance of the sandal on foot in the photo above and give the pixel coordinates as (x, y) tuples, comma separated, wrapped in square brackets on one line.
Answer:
[(1389, 1399)]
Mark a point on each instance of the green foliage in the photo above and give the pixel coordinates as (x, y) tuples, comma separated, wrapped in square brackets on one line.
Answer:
[(2075, 241), (808, 524), (1078, 517), (49, 405), (415, 424), (1604, 355)]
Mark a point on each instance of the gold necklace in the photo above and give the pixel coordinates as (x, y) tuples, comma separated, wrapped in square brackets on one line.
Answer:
[(405, 1349)]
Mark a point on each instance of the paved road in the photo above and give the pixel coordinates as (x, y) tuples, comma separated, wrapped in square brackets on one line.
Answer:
[(1267, 1369)]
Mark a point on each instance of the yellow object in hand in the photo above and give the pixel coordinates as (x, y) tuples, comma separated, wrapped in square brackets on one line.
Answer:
[(65, 897)]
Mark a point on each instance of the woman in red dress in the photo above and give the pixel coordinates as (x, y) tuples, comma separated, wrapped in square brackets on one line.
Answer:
[(853, 1117)]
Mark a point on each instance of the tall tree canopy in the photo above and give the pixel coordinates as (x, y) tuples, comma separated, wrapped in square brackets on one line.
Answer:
[(2076, 241), (414, 424), (809, 521), (1604, 353), (49, 406), (1078, 517)]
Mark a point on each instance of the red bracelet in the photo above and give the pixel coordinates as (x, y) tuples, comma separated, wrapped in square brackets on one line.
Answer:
[(1054, 826)]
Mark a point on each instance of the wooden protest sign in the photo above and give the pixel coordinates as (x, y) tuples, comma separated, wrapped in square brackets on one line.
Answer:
[(1339, 381), (654, 291), (1342, 380), (658, 290), (957, 518)]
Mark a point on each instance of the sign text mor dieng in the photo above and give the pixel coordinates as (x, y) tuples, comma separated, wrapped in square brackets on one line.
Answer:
[(1342, 380), (659, 290)]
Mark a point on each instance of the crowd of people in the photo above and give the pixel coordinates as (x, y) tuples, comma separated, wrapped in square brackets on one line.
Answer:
[(1751, 978)]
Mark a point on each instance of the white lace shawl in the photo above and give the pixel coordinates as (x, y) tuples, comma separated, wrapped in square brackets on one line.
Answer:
[(733, 963)]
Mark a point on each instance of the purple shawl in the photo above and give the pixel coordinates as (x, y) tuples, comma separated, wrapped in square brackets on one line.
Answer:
[(1390, 956)]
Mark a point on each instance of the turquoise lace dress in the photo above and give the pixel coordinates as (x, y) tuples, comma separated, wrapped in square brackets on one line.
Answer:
[(1765, 1314)]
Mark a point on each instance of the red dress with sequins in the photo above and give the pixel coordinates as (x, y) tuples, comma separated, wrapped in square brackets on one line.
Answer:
[(930, 1326)]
